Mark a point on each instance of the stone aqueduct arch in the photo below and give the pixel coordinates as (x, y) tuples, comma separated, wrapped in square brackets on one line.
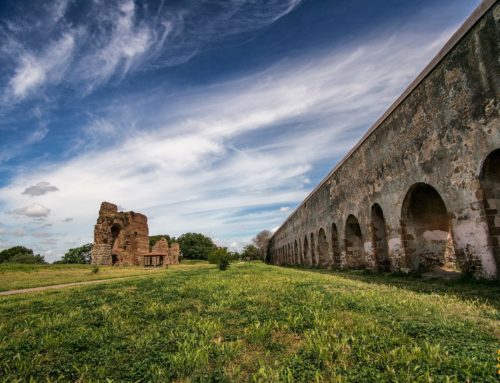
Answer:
[(426, 229), (379, 239), (421, 190), (490, 196)]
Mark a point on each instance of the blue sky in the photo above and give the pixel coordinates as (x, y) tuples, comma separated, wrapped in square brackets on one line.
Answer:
[(208, 116)]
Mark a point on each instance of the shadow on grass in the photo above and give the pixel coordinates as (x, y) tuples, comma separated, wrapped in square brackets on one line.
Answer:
[(484, 291)]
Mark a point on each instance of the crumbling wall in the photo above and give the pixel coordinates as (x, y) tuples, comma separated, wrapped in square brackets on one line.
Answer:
[(171, 251), (119, 237)]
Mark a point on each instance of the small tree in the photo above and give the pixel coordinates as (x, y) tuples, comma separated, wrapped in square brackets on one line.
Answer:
[(79, 255), (220, 257), (250, 252), (260, 241)]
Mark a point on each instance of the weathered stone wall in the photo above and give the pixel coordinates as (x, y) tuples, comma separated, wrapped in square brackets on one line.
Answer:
[(414, 193), (171, 252), (122, 238), (119, 237), (174, 253)]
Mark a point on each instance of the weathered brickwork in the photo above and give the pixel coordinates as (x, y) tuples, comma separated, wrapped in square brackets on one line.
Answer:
[(122, 238), (422, 188)]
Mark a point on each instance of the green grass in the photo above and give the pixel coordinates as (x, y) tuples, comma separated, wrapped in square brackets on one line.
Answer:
[(21, 276), (253, 323)]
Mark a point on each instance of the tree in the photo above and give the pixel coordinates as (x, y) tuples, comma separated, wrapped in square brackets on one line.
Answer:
[(250, 252), (195, 245), (20, 254), (81, 255), (260, 241), (234, 255)]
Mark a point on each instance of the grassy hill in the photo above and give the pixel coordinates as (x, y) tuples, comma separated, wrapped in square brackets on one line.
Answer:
[(254, 323)]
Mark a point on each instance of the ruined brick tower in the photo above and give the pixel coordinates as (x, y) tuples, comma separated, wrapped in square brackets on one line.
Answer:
[(122, 238)]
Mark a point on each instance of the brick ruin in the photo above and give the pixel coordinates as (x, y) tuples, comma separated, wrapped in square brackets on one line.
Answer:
[(421, 190), (122, 238)]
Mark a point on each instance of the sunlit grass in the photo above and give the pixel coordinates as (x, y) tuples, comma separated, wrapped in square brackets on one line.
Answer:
[(254, 323), (21, 276)]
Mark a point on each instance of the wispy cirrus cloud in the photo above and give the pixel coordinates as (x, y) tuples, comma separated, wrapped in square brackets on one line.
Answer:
[(113, 38), (34, 70), (237, 154)]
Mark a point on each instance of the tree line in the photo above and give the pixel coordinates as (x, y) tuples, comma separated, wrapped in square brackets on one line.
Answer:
[(192, 246)]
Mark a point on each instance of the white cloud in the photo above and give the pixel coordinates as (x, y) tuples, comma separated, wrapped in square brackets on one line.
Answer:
[(40, 188), (34, 210), (114, 38), (120, 50), (202, 164), (34, 70), (18, 233)]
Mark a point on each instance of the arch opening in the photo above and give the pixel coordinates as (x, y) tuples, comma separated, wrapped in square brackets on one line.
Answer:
[(354, 243), (313, 260), (300, 252), (296, 253), (306, 251), (335, 247), (115, 244), (322, 249), (426, 230), (379, 239), (490, 185)]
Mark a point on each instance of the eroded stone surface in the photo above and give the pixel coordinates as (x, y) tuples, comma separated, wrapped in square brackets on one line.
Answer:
[(122, 238), (428, 175)]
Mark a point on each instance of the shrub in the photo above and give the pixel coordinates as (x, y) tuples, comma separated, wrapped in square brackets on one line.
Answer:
[(95, 269), (220, 257)]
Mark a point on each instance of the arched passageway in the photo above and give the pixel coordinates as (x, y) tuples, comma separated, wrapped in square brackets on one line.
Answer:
[(426, 230), (313, 260), (379, 239), (490, 184), (296, 253), (300, 253), (306, 251), (115, 244), (335, 247), (322, 249), (354, 243)]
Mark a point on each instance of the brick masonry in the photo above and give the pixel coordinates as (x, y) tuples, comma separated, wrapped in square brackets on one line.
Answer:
[(122, 238)]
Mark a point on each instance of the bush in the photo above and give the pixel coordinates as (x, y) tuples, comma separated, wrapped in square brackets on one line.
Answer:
[(220, 257), (95, 269)]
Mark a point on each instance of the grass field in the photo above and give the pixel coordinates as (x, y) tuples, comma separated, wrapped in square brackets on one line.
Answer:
[(254, 323), (15, 276)]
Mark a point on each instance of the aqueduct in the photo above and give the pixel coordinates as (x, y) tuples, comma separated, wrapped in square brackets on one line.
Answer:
[(422, 187)]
